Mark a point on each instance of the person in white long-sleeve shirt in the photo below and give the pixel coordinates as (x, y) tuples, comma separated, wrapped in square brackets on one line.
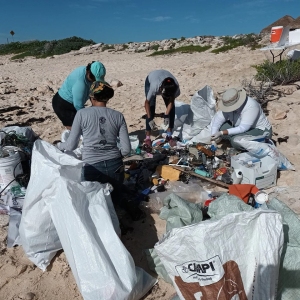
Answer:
[(239, 115)]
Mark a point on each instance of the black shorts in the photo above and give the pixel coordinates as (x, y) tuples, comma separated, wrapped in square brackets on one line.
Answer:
[(64, 110)]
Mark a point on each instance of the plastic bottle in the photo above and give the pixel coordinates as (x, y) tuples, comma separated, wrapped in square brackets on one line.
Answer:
[(202, 173), (237, 176)]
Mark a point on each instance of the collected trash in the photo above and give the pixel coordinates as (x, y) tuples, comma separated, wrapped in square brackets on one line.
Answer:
[(15, 157)]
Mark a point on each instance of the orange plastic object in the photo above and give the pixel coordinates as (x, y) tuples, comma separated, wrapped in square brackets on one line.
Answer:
[(276, 33)]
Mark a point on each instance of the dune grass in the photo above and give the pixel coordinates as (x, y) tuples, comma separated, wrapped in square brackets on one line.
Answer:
[(281, 72), (42, 49), (250, 40), (184, 49)]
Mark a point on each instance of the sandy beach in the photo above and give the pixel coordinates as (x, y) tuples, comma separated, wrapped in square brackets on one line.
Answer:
[(26, 91)]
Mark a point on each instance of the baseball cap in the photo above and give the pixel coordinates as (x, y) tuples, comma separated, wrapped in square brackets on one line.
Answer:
[(98, 70)]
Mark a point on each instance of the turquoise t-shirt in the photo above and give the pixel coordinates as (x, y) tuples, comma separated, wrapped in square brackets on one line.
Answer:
[(75, 88)]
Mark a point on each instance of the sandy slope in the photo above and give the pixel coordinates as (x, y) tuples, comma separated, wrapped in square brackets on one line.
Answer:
[(29, 87)]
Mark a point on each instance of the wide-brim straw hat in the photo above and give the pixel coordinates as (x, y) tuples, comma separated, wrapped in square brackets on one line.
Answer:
[(232, 99)]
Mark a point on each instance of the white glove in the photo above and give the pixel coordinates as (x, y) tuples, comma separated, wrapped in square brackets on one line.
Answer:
[(166, 120), (152, 125), (217, 136)]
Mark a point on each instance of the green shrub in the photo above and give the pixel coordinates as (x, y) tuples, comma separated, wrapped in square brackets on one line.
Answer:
[(141, 50), (21, 55), (44, 48), (282, 72), (154, 47), (130, 43), (182, 38), (250, 40), (175, 39), (185, 49), (125, 47)]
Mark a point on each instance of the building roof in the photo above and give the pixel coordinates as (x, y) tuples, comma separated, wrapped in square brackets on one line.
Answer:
[(284, 21), (295, 24)]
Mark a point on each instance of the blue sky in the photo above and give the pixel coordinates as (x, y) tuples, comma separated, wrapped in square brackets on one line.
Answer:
[(120, 21)]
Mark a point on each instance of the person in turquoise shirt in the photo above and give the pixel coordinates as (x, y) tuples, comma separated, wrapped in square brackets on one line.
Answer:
[(74, 92)]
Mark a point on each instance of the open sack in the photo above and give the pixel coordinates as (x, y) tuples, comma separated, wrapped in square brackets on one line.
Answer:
[(61, 212)]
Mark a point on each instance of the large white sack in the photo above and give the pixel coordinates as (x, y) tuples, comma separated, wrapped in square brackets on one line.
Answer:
[(202, 111), (101, 265), (257, 146), (181, 113), (38, 235), (236, 257)]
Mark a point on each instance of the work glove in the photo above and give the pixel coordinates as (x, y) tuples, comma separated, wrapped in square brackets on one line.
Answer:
[(152, 125), (166, 120), (217, 137)]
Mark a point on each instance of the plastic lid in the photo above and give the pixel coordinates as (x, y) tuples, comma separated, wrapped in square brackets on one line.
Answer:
[(261, 197)]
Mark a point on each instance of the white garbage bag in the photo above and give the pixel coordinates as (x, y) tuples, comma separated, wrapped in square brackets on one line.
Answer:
[(37, 232), (101, 265), (236, 257), (38, 235), (257, 146), (181, 113), (202, 111), (77, 153)]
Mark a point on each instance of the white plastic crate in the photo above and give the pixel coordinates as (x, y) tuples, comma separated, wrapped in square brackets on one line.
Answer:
[(261, 172)]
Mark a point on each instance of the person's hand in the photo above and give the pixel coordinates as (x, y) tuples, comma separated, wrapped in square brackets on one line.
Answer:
[(152, 125), (166, 120), (217, 137)]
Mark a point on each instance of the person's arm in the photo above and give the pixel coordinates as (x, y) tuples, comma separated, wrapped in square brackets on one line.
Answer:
[(73, 140), (170, 106), (248, 118), (217, 122), (124, 138), (147, 108), (78, 92)]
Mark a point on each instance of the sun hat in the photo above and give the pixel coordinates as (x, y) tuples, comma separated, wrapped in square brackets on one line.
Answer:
[(232, 99), (98, 70), (97, 87)]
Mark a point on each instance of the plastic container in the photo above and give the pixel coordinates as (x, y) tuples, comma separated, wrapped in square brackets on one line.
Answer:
[(260, 198), (10, 167), (276, 33), (237, 176), (262, 172)]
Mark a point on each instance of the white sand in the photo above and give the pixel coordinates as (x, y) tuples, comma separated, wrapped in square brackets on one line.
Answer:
[(36, 81)]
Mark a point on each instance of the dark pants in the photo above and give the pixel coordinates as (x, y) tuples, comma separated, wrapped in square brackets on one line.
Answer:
[(152, 108), (253, 132), (65, 110), (112, 171), (104, 171)]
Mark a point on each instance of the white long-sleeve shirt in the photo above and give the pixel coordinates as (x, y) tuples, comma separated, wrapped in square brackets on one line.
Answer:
[(249, 116)]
